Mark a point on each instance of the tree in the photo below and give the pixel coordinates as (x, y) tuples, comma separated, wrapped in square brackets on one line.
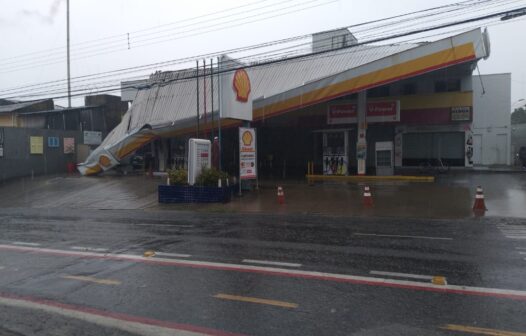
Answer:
[(518, 116)]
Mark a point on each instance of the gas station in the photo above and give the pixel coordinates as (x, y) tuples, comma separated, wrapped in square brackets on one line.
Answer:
[(345, 109)]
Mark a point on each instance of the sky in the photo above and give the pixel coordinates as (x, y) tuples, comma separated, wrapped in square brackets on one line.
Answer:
[(33, 33)]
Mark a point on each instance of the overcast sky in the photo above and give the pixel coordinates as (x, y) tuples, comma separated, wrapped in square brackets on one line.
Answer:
[(29, 26)]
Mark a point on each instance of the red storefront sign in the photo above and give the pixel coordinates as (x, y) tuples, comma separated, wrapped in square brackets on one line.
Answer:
[(347, 113), (342, 114)]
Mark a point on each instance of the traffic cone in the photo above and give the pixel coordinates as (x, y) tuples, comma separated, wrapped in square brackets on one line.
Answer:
[(367, 197), (479, 204), (281, 195)]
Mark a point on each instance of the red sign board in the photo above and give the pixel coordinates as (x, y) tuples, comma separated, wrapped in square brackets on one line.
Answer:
[(347, 113)]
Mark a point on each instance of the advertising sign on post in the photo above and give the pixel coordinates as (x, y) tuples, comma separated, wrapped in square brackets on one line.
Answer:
[(198, 158), (236, 97), (247, 154)]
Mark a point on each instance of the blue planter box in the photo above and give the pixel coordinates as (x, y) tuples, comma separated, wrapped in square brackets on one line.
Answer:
[(194, 194)]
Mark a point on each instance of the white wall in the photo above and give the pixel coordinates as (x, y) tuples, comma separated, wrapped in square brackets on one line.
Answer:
[(491, 118)]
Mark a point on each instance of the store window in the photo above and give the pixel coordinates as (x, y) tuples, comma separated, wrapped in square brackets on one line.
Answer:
[(449, 85)]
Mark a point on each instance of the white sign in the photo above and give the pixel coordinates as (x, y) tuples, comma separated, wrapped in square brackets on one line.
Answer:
[(247, 154), (92, 138), (236, 90), (199, 157)]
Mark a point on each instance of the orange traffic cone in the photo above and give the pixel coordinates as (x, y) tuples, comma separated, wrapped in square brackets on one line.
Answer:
[(479, 204), (281, 195), (367, 197)]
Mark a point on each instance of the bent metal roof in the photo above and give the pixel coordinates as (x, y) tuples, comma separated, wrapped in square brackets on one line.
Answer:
[(168, 108)]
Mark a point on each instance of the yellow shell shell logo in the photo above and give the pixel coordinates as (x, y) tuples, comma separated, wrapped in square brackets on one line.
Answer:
[(247, 138), (104, 161), (241, 85)]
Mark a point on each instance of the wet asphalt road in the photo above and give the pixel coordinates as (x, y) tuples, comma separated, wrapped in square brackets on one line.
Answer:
[(82, 272)]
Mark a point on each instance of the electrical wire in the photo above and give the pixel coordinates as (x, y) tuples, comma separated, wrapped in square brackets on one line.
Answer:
[(55, 91), (417, 31)]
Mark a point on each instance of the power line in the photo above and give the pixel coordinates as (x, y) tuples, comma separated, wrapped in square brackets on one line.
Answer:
[(464, 3), (321, 53), (136, 42), (146, 29), (124, 46)]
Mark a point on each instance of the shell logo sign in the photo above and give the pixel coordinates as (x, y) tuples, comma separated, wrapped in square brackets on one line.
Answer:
[(241, 85), (104, 161), (247, 138)]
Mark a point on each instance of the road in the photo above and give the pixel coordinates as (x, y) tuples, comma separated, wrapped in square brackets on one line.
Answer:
[(96, 272)]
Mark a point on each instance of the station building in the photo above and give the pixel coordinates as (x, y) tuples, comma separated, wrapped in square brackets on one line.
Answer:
[(348, 108)]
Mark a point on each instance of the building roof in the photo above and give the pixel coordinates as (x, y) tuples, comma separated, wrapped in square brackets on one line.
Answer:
[(61, 110), (162, 103), (17, 106)]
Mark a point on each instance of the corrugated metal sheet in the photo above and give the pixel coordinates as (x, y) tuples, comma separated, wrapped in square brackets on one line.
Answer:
[(164, 103)]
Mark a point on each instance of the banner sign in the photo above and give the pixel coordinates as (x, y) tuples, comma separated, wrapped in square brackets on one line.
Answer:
[(36, 145), (347, 113), (461, 113), (342, 114), (92, 138), (69, 145), (52, 142), (247, 154)]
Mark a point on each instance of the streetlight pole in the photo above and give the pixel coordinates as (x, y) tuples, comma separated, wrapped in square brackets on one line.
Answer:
[(69, 70)]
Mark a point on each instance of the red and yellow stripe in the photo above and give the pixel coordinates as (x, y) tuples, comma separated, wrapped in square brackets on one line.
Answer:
[(438, 60)]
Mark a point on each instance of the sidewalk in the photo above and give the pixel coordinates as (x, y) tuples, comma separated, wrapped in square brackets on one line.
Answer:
[(451, 196)]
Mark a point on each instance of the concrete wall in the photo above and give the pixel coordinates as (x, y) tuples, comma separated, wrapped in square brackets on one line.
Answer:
[(17, 160), (491, 119)]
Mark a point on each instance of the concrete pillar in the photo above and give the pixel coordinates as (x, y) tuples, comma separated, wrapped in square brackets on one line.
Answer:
[(162, 155), (361, 144)]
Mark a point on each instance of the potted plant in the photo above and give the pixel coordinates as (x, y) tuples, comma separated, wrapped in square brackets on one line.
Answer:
[(211, 186)]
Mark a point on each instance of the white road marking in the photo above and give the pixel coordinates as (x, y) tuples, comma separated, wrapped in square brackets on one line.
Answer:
[(521, 248), (273, 263), (25, 243), (356, 279), (403, 275), (94, 249), (170, 225), (2, 267), (513, 231), (123, 324), (401, 236), (176, 255), (522, 252)]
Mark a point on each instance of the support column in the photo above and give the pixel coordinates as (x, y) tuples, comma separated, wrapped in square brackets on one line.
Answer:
[(361, 144)]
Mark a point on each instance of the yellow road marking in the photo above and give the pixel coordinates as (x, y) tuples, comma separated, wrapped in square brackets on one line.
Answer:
[(481, 331), (439, 280), (92, 279), (256, 300), (149, 254)]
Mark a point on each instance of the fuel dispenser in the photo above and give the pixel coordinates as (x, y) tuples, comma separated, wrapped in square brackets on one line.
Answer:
[(335, 153)]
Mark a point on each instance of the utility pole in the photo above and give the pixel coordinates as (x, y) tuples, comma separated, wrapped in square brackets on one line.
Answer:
[(69, 72)]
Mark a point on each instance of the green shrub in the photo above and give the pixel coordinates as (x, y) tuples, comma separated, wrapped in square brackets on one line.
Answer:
[(209, 177), (178, 176)]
